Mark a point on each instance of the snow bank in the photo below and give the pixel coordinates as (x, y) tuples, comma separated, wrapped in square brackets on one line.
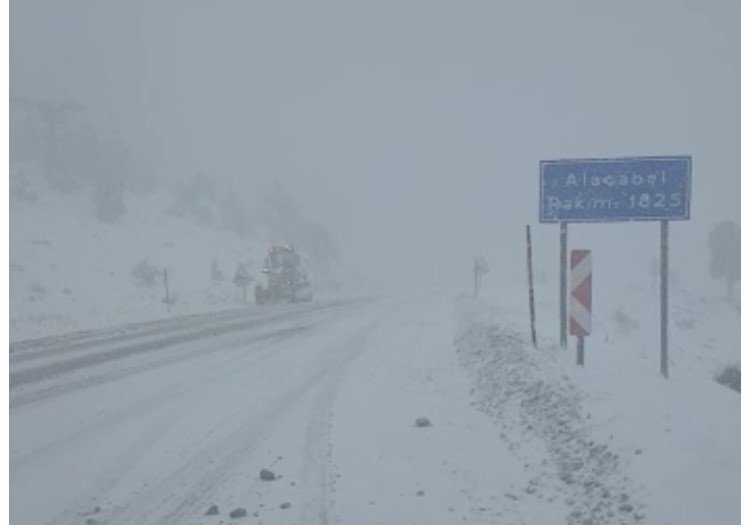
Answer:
[(616, 439)]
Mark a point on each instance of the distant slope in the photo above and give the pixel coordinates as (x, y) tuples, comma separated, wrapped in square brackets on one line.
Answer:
[(70, 271)]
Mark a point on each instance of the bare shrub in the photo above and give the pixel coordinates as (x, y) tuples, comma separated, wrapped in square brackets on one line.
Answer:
[(217, 275), (145, 273), (624, 323), (730, 377)]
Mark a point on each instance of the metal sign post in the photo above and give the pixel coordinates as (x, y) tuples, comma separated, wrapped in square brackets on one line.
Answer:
[(563, 284), (664, 296), (530, 272), (614, 190)]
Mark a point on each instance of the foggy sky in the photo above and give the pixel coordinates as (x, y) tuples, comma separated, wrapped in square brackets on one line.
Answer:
[(412, 130)]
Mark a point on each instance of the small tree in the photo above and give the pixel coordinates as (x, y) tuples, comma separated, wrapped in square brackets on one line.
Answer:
[(145, 273), (242, 280), (109, 180), (481, 268), (724, 244), (108, 200), (216, 274)]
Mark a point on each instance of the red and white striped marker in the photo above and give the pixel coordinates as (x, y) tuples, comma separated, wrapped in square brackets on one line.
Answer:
[(579, 307)]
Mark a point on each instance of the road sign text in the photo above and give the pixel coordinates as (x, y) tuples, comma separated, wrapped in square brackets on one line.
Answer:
[(604, 190)]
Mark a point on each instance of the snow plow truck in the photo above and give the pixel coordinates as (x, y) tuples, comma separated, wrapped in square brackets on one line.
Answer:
[(287, 280)]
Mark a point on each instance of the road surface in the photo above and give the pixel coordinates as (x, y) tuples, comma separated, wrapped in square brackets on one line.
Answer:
[(158, 422)]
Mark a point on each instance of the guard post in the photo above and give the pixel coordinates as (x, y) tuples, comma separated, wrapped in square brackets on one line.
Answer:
[(580, 298)]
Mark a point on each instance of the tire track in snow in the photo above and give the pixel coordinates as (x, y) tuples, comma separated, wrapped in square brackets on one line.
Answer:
[(109, 479), (57, 389), (32, 349), (322, 387), (240, 358), (318, 452), (180, 495), (107, 354)]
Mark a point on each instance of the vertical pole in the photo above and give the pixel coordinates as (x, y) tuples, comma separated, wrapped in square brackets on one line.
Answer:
[(579, 356), (563, 284), (476, 277), (166, 287), (664, 296), (531, 285)]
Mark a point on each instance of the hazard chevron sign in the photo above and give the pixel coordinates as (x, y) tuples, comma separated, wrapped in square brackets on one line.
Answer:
[(579, 306)]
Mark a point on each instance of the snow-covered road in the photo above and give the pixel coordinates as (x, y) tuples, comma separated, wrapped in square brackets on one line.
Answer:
[(156, 423)]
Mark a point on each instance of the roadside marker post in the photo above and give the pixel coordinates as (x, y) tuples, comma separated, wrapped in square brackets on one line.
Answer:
[(664, 246), (580, 298), (530, 272), (563, 284)]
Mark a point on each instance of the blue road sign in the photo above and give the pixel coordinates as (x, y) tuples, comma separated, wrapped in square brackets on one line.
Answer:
[(608, 190)]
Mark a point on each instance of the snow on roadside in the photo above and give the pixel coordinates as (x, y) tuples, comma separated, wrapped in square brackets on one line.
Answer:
[(544, 422), (389, 469), (613, 438)]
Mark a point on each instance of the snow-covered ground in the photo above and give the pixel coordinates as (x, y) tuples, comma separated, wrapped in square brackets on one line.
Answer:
[(69, 271), (613, 439), (159, 423)]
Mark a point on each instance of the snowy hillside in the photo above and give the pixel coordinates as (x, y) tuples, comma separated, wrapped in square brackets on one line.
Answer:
[(69, 271)]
